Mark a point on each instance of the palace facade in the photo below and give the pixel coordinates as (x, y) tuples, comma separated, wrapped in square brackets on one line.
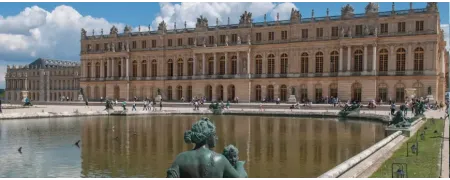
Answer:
[(43, 80), (350, 56)]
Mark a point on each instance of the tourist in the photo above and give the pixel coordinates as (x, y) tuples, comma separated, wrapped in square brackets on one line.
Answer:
[(228, 105), (67, 98), (134, 106), (261, 106), (160, 105), (124, 105), (182, 99), (145, 105), (101, 99), (87, 103), (150, 102), (237, 100), (135, 98), (392, 108)]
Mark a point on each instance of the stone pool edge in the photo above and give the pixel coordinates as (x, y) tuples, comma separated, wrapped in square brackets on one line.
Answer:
[(363, 116)]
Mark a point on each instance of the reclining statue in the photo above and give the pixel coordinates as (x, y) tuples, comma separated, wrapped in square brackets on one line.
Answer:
[(215, 108), (399, 119), (349, 109), (201, 162)]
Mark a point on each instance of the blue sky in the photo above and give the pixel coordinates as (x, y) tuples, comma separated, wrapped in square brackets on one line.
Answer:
[(52, 30)]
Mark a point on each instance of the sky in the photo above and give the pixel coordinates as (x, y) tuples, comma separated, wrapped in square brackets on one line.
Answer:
[(52, 30)]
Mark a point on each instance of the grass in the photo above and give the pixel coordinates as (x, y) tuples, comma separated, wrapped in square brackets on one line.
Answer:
[(426, 164)]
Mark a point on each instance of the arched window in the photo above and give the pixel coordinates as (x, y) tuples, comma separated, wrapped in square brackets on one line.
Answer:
[(219, 93), (222, 65), (169, 93), (135, 68), (119, 69), (144, 68), (258, 93), (189, 93), (231, 92), (283, 93), (419, 89), (400, 93), (382, 92), (88, 93), (319, 62), (271, 64), (105, 69), (318, 92), (383, 58), (154, 68), (234, 65), (334, 90), (208, 92), (88, 70), (418, 59), (180, 67), (96, 93), (303, 92), (258, 69), (358, 66), (284, 64), (401, 59), (211, 66), (179, 92), (270, 93), (116, 92), (190, 67), (170, 68), (356, 92), (334, 62), (97, 70), (304, 63)]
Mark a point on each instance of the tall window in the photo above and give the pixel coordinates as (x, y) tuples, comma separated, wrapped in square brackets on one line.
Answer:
[(88, 70), (304, 33), (283, 93), (97, 70), (180, 41), (222, 65), (319, 32), (401, 59), (283, 35), (258, 93), (222, 39), (358, 30), (169, 42), (319, 62), (334, 61), (271, 36), (211, 66), (401, 27), (258, 37), (211, 39), (419, 25), (303, 92), (270, 93), (179, 92), (189, 93), (284, 64), (134, 68), (258, 64), (234, 65), (180, 67), (382, 92), (119, 69), (120, 46), (318, 92), (234, 38), (153, 43), (334, 31), (270, 64), (356, 92), (144, 68), (190, 67), (134, 45), (170, 68), (154, 68), (358, 61), (105, 69), (333, 90), (383, 60), (304, 63), (105, 47), (191, 41), (418, 59), (144, 44), (169, 93), (97, 47), (400, 93), (384, 28)]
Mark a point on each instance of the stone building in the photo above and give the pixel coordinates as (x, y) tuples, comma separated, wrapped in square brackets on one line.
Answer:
[(43, 80), (351, 56)]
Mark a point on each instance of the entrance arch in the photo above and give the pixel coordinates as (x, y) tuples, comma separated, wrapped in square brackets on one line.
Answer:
[(219, 93), (116, 92), (231, 92), (356, 92), (270, 93), (208, 92)]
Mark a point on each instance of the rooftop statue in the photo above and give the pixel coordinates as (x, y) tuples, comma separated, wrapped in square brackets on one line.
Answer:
[(349, 109), (246, 18), (432, 7), (295, 15), (347, 12), (83, 33), (162, 26), (113, 30), (372, 8), (201, 161), (127, 29), (202, 22)]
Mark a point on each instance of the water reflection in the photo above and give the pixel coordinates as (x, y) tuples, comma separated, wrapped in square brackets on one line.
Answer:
[(146, 146)]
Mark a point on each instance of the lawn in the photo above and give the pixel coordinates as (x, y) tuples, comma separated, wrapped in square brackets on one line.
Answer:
[(426, 164)]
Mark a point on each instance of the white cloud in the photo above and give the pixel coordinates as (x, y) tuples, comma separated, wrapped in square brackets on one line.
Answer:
[(445, 27)]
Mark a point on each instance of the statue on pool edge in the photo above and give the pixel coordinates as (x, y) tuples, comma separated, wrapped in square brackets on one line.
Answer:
[(201, 162)]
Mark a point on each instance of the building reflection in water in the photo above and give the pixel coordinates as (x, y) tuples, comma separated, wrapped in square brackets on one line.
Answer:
[(272, 146)]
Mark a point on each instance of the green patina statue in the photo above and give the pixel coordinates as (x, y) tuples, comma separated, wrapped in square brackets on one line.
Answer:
[(202, 162), (27, 102), (215, 108), (399, 119), (108, 105), (419, 108), (349, 109)]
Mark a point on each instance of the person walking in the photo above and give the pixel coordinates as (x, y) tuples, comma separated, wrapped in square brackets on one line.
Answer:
[(160, 105), (392, 108), (145, 105), (228, 105), (134, 106)]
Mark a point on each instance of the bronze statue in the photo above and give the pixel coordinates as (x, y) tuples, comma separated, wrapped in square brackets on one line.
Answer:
[(201, 162)]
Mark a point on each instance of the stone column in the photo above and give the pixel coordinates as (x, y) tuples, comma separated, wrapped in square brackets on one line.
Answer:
[(264, 64), (194, 64), (349, 58), (365, 59), (102, 69), (41, 85), (26, 84), (248, 61), (237, 63), (92, 69), (215, 64), (341, 58), (410, 59), (112, 67), (443, 62), (374, 58), (128, 66), (226, 63), (203, 64), (48, 86)]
